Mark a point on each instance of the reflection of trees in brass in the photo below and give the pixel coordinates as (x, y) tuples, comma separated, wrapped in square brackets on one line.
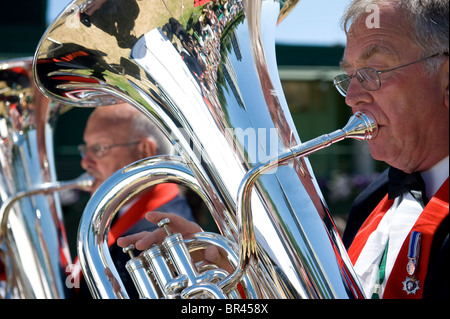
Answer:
[(227, 48), (201, 42)]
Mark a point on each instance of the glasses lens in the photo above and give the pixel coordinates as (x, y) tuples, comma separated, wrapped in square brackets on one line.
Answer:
[(342, 82), (369, 79), (97, 150)]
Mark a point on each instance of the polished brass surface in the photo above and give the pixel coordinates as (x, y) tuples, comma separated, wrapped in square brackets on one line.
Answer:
[(34, 248)]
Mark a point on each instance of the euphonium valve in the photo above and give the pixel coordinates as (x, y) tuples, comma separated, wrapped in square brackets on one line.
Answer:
[(168, 271), (138, 269)]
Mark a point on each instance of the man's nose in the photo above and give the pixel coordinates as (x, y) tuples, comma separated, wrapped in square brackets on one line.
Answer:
[(357, 95), (87, 160)]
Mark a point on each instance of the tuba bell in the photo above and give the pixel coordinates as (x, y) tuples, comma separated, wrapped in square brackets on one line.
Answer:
[(34, 251), (205, 72)]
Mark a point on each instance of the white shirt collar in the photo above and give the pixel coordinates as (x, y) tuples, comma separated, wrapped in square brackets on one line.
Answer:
[(436, 176)]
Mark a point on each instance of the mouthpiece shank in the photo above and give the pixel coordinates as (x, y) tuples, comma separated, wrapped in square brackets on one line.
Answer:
[(360, 127)]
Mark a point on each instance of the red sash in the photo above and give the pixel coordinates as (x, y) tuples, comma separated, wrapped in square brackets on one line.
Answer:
[(160, 194), (2, 272), (427, 224)]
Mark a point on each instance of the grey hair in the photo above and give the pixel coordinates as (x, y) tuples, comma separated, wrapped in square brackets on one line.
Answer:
[(143, 127), (429, 21)]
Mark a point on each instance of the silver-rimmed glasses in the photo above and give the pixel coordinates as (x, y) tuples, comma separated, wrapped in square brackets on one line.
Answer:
[(368, 77), (101, 150)]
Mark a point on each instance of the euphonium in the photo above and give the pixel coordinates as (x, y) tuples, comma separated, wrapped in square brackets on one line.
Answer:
[(206, 73), (34, 249)]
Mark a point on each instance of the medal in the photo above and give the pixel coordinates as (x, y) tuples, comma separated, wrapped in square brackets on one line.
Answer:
[(411, 284)]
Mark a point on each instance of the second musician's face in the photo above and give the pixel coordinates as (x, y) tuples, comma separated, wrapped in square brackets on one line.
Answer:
[(100, 132)]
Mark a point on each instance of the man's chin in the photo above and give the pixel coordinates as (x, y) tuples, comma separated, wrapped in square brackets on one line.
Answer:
[(379, 152), (376, 150)]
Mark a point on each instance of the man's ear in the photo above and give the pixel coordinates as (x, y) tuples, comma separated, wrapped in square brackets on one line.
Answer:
[(147, 148)]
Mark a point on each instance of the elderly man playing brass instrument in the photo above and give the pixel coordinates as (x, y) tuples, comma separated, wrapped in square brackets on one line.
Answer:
[(116, 136), (397, 67)]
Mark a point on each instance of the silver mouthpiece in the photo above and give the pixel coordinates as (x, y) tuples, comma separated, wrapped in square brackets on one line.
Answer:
[(361, 126)]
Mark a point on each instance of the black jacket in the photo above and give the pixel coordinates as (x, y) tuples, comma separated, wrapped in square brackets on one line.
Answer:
[(437, 282)]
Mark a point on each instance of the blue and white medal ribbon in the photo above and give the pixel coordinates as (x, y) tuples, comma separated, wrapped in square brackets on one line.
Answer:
[(411, 284)]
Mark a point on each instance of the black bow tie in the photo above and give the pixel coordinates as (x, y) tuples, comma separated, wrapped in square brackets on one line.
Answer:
[(401, 182)]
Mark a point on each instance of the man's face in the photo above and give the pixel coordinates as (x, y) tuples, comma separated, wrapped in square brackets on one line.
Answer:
[(409, 102), (100, 132)]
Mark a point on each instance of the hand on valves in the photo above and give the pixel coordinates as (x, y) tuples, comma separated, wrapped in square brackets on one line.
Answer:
[(145, 240)]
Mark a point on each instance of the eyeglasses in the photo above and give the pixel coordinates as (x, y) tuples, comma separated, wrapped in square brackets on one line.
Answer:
[(369, 77), (101, 150)]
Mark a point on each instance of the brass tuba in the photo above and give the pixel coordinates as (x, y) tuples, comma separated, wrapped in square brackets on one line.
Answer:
[(34, 250), (206, 73)]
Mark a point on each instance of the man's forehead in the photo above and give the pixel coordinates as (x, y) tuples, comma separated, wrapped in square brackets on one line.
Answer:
[(107, 127), (367, 53)]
